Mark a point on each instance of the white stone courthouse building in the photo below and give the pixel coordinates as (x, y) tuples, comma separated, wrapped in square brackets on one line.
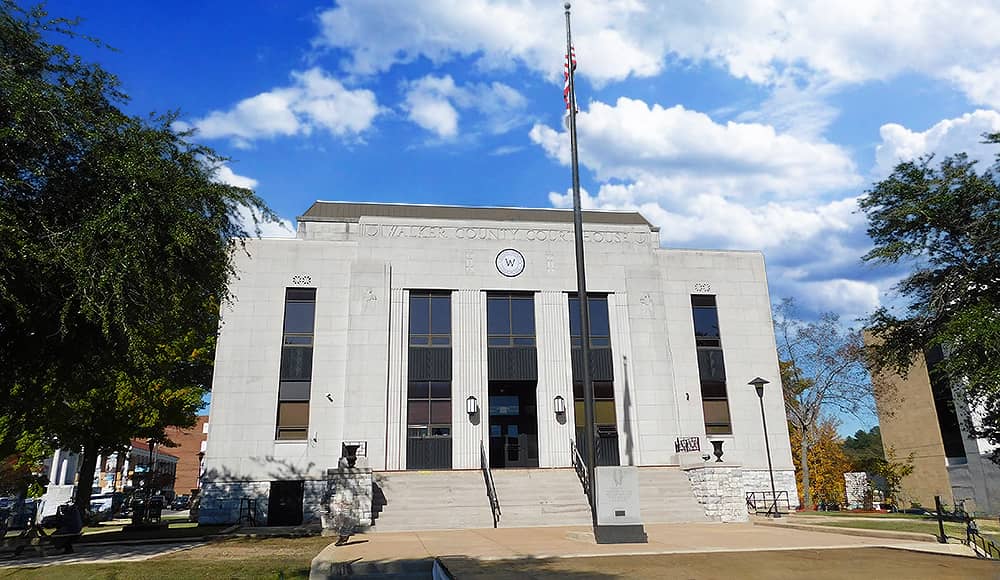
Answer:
[(441, 339)]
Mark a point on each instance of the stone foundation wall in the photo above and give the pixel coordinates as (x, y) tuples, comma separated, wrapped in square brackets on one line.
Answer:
[(350, 489), (220, 501), (719, 489), (759, 480)]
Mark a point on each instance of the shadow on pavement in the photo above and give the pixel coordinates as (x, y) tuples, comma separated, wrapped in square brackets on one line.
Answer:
[(463, 567)]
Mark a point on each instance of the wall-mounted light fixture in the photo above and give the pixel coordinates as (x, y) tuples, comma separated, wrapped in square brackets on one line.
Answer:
[(471, 406), (559, 405)]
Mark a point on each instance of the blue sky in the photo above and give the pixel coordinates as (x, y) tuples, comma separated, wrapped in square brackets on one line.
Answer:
[(751, 124)]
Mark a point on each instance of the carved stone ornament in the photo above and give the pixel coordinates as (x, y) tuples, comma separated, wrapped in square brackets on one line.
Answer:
[(301, 279), (702, 287)]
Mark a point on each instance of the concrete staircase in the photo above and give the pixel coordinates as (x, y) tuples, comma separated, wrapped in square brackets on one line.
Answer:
[(540, 497), (665, 496), (437, 500), (430, 500)]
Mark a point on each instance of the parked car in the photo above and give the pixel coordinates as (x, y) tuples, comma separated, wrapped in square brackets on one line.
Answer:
[(181, 502)]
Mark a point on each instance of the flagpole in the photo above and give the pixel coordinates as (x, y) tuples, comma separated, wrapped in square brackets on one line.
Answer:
[(581, 281)]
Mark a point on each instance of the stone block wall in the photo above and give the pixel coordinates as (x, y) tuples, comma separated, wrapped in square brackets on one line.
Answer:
[(759, 480), (220, 501), (719, 489), (347, 488)]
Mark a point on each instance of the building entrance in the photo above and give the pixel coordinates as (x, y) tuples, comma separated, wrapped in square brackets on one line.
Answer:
[(513, 425)]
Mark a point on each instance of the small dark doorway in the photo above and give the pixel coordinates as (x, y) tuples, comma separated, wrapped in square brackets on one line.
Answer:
[(284, 506), (513, 425)]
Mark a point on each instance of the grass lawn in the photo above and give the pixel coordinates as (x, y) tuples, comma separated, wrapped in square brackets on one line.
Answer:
[(867, 563), (859, 515), (285, 558)]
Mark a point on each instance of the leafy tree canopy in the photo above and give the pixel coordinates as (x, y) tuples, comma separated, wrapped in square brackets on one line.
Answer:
[(942, 220), (864, 448), (115, 253)]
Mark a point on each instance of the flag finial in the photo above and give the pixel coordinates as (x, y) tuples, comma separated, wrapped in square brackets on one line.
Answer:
[(566, 6)]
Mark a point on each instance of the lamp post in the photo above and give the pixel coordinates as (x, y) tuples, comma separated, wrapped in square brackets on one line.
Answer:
[(758, 384)]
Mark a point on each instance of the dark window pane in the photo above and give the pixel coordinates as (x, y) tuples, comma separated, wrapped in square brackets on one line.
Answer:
[(416, 431), (706, 322), (703, 300), (440, 411), (299, 317), (498, 316), (296, 363), (419, 315), (298, 339), (707, 342), (604, 390), (505, 405), (578, 414), (498, 341), (578, 390), (439, 431), (522, 316), (574, 317), (417, 390), (441, 315), (524, 341), (293, 391), (308, 294), (440, 390), (441, 340), (599, 323), (713, 389), (711, 365), (599, 341), (417, 413), (418, 340), (718, 429), (293, 415)]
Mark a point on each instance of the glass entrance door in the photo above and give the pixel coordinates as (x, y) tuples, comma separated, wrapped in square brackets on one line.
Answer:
[(513, 426)]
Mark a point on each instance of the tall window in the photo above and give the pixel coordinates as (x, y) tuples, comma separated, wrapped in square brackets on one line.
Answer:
[(711, 365), (430, 319), (428, 393), (600, 326), (296, 364), (510, 320), (600, 343)]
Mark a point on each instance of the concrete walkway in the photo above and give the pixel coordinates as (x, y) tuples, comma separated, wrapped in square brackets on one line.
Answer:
[(410, 552), (91, 553)]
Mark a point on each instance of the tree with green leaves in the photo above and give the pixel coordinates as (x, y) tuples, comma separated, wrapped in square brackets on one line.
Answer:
[(864, 448), (822, 370), (942, 220), (116, 241)]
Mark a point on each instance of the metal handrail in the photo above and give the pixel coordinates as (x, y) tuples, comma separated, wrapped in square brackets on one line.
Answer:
[(770, 504), (491, 488), (580, 467), (982, 546)]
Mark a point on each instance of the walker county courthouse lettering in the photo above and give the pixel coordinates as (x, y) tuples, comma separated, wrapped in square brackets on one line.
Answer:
[(439, 340), (502, 234)]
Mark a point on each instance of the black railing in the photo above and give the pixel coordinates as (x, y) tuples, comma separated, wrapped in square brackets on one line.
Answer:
[(983, 546), (491, 488), (580, 466), (768, 503)]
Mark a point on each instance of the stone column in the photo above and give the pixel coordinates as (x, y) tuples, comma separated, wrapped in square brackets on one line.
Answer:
[(468, 377), (555, 378)]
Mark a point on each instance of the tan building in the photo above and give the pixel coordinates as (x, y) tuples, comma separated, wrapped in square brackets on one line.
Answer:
[(922, 417)]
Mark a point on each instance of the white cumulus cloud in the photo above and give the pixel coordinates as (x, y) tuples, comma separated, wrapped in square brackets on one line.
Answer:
[(850, 41), (247, 217), (313, 101), (946, 137), (433, 103)]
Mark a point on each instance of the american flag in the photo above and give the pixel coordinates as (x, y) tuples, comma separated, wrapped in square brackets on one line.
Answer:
[(570, 58)]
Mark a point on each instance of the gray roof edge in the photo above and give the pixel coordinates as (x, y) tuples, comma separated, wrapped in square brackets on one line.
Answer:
[(480, 213)]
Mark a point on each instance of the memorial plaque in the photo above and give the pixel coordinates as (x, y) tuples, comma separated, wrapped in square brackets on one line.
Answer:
[(618, 496)]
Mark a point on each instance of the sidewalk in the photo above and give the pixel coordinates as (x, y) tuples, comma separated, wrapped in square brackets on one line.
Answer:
[(408, 551)]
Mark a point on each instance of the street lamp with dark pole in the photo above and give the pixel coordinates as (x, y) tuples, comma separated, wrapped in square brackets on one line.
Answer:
[(758, 383)]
